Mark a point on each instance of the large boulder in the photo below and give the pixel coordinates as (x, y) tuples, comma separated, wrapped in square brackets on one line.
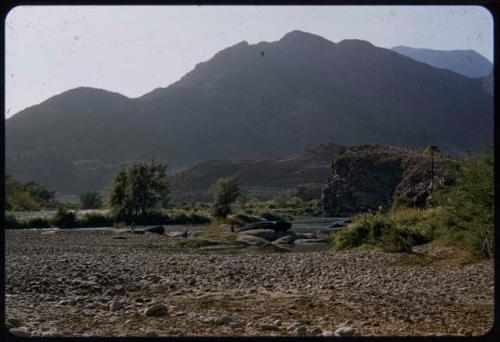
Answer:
[(250, 240), (274, 225), (285, 240), (369, 177), (267, 234)]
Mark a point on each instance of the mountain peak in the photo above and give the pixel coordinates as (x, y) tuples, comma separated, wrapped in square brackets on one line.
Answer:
[(300, 36)]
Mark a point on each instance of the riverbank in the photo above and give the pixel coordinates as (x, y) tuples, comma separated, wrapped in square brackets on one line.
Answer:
[(100, 283)]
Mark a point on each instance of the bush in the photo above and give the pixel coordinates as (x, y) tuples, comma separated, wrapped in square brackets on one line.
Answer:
[(38, 222), (188, 218), (395, 240), (64, 219), (351, 237), (376, 230), (96, 220), (12, 223), (273, 216), (241, 219)]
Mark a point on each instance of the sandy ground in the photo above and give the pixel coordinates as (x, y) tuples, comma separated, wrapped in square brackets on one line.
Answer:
[(96, 284)]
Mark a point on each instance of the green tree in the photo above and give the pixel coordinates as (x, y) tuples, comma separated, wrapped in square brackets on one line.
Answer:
[(40, 194), (138, 190), (432, 150), (90, 200), (226, 191), (17, 198), (471, 202)]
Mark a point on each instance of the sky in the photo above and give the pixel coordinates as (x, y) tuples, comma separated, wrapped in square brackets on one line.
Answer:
[(132, 50)]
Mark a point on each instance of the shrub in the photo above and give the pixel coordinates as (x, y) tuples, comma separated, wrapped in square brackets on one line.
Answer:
[(188, 218), (12, 223), (241, 219), (64, 219), (38, 222), (376, 230), (395, 240), (273, 216), (96, 220), (350, 237)]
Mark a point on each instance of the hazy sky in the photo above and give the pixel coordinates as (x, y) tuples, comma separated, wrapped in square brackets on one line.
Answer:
[(134, 49)]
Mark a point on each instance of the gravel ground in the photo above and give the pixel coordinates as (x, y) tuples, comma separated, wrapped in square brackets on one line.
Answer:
[(95, 284)]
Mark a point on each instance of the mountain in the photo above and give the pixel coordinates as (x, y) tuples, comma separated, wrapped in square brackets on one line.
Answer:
[(265, 100), (465, 62), (304, 173)]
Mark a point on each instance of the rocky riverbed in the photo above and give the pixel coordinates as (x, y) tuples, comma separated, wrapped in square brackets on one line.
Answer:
[(108, 284)]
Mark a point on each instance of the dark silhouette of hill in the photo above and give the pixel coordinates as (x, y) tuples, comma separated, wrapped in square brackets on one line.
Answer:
[(257, 101), (303, 173), (465, 62)]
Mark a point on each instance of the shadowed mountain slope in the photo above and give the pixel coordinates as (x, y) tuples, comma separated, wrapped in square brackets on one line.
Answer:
[(250, 102), (465, 62)]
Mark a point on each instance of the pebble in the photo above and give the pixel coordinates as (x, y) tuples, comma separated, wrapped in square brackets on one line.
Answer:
[(299, 331), (266, 326), (115, 306), (14, 322), (328, 333), (235, 325), (344, 331), (100, 269), (156, 310), (316, 331), (223, 320), (21, 332)]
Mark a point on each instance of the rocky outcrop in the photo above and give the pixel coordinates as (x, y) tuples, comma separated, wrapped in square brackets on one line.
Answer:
[(274, 225), (365, 178)]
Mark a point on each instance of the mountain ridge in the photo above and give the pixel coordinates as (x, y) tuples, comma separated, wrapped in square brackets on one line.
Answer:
[(468, 63), (267, 99)]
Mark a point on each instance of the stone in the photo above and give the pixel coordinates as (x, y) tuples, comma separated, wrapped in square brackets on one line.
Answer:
[(251, 240), (50, 334), (21, 332), (14, 322), (299, 331), (268, 327), (274, 225), (115, 306), (156, 310), (344, 331), (315, 331), (268, 234), (235, 325), (287, 239), (328, 333), (223, 320)]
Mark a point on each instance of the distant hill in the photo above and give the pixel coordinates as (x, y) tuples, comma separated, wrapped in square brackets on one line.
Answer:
[(265, 100), (305, 173), (465, 62)]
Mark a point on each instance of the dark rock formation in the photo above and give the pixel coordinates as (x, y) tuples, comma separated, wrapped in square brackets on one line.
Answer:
[(274, 225), (368, 178)]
